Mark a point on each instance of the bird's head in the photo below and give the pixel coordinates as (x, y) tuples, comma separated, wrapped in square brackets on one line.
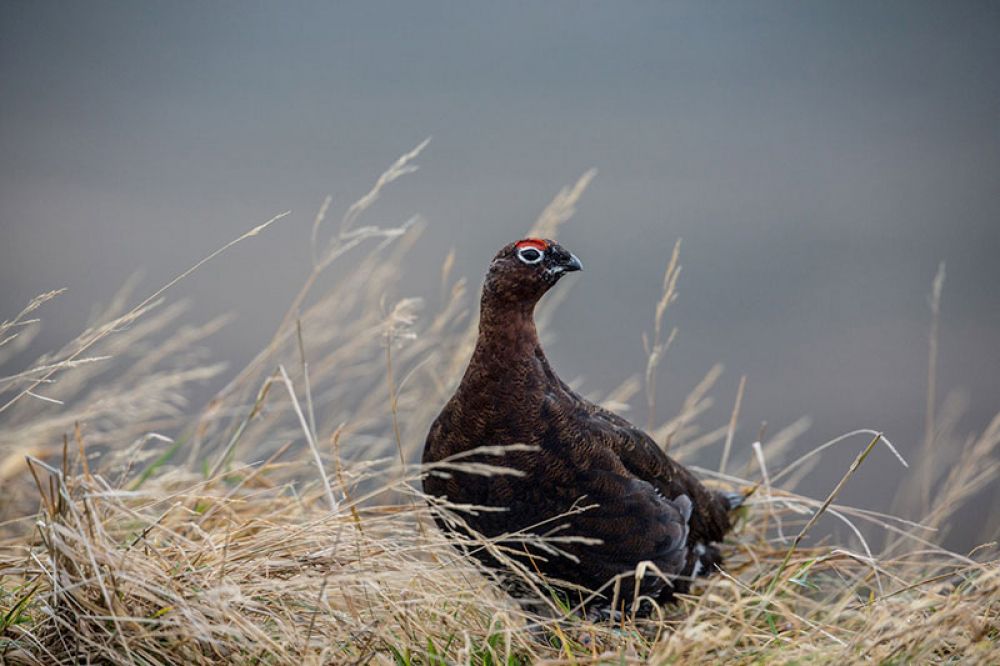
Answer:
[(523, 271)]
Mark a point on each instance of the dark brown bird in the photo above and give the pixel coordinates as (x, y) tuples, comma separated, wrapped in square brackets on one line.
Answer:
[(643, 506)]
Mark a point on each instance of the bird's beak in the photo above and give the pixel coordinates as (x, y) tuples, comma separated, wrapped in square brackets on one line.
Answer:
[(572, 264)]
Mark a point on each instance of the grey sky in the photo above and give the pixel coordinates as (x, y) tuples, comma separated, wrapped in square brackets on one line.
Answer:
[(819, 160)]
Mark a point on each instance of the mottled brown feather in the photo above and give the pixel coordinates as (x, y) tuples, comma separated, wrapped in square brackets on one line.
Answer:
[(643, 505)]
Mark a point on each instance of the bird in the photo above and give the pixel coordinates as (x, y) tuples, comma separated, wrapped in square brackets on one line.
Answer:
[(583, 497)]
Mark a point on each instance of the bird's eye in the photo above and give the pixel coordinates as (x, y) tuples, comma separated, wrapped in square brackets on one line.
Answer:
[(529, 255)]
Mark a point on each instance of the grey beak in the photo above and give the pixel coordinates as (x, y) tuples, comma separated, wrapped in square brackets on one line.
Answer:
[(572, 264)]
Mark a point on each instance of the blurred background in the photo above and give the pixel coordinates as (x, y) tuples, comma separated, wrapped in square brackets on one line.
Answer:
[(818, 160)]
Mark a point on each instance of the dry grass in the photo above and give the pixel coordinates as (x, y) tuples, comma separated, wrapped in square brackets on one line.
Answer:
[(282, 523)]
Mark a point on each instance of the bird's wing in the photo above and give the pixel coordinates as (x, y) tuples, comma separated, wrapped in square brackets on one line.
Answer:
[(634, 523), (645, 459)]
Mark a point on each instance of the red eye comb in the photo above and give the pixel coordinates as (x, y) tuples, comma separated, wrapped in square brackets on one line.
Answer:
[(539, 244)]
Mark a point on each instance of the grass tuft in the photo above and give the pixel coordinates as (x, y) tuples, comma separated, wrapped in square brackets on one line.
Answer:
[(287, 526)]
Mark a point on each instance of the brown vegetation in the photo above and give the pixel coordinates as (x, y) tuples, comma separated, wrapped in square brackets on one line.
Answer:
[(281, 523)]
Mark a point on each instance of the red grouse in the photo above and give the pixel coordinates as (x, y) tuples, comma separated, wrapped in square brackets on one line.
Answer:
[(586, 472)]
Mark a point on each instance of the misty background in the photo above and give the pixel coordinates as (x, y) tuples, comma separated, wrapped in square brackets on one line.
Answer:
[(818, 160)]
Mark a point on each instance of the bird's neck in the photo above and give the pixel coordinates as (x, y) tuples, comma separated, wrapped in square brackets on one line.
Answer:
[(508, 340)]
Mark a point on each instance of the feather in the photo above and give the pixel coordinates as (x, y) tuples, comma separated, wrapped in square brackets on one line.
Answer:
[(602, 489)]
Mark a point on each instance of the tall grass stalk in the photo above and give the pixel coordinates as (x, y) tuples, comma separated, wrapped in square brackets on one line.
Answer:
[(255, 530)]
